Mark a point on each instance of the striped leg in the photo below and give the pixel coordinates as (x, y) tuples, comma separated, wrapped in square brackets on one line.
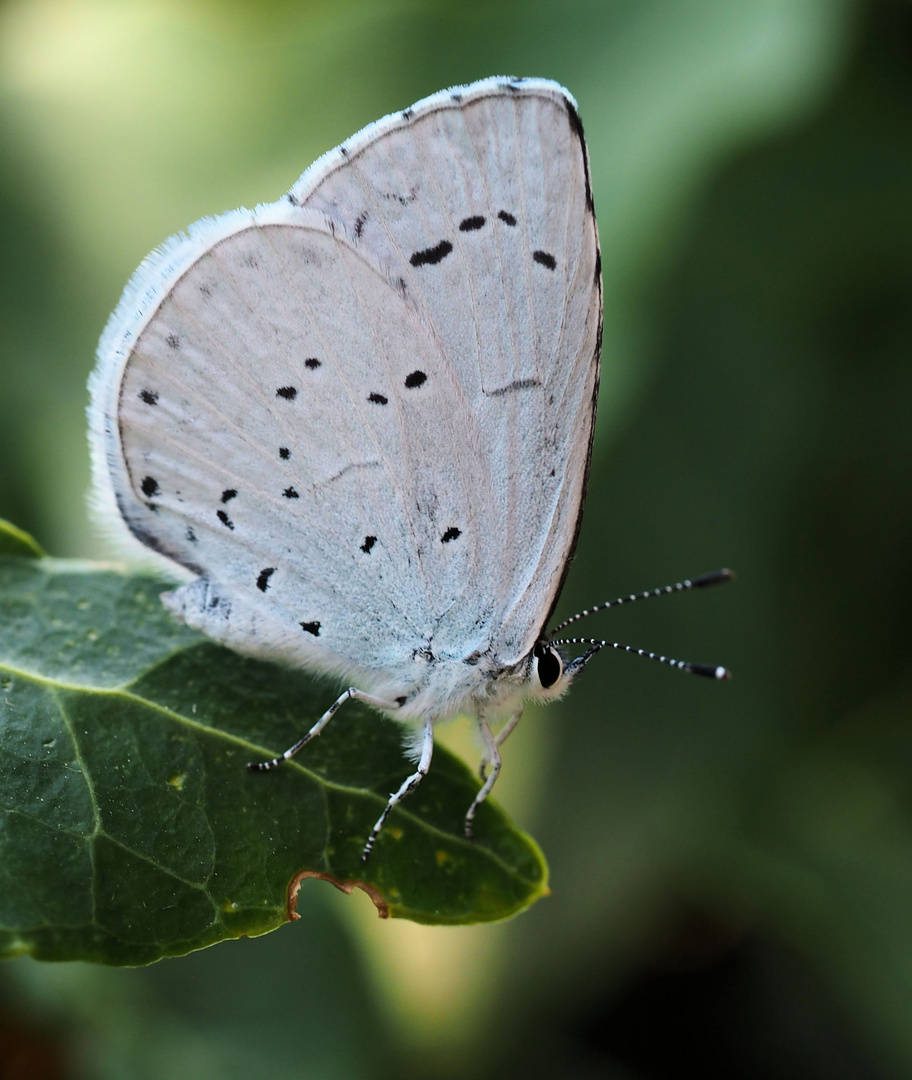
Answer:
[(492, 758), (499, 739), (351, 692), (407, 787)]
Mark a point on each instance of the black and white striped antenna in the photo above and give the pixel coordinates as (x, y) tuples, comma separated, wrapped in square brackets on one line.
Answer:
[(704, 581)]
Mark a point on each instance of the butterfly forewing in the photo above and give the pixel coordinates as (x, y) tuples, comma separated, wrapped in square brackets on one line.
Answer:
[(479, 201)]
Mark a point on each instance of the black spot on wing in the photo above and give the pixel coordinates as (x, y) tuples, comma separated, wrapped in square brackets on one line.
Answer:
[(173, 341), (290, 493), (149, 486), (263, 578), (360, 221), (224, 519), (150, 397), (403, 199), (452, 533), (313, 363), (400, 701), (191, 535), (348, 468), (471, 224), (311, 628), (407, 114), (544, 259), (369, 542), (284, 453), (343, 151), (506, 217), (432, 255), (415, 379), (517, 384), (289, 393), (228, 494), (456, 96), (377, 399)]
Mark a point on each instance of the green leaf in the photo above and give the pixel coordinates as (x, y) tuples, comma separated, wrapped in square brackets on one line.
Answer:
[(15, 541), (130, 829)]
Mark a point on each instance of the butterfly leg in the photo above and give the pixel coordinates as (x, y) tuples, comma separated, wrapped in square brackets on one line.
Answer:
[(407, 787), (351, 692), (492, 758), (499, 739)]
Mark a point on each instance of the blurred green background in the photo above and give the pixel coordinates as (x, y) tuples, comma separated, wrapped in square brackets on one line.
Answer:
[(731, 865)]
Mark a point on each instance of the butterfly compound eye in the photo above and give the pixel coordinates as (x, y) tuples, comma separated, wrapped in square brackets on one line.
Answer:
[(549, 667)]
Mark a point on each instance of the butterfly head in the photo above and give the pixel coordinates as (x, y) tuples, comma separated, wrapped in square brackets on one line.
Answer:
[(551, 673)]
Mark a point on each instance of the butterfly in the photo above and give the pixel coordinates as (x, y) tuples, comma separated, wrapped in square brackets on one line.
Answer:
[(359, 419)]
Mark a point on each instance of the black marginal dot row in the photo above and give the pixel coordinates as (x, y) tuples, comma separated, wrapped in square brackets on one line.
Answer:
[(149, 487)]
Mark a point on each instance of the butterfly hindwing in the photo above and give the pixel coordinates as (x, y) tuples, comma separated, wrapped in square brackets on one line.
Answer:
[(279, 420)]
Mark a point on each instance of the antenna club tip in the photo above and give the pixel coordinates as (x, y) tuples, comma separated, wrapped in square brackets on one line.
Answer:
[(715, 577), (710, 671)]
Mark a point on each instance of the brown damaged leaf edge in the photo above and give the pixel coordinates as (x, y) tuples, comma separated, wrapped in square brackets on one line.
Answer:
[(348, 887)]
